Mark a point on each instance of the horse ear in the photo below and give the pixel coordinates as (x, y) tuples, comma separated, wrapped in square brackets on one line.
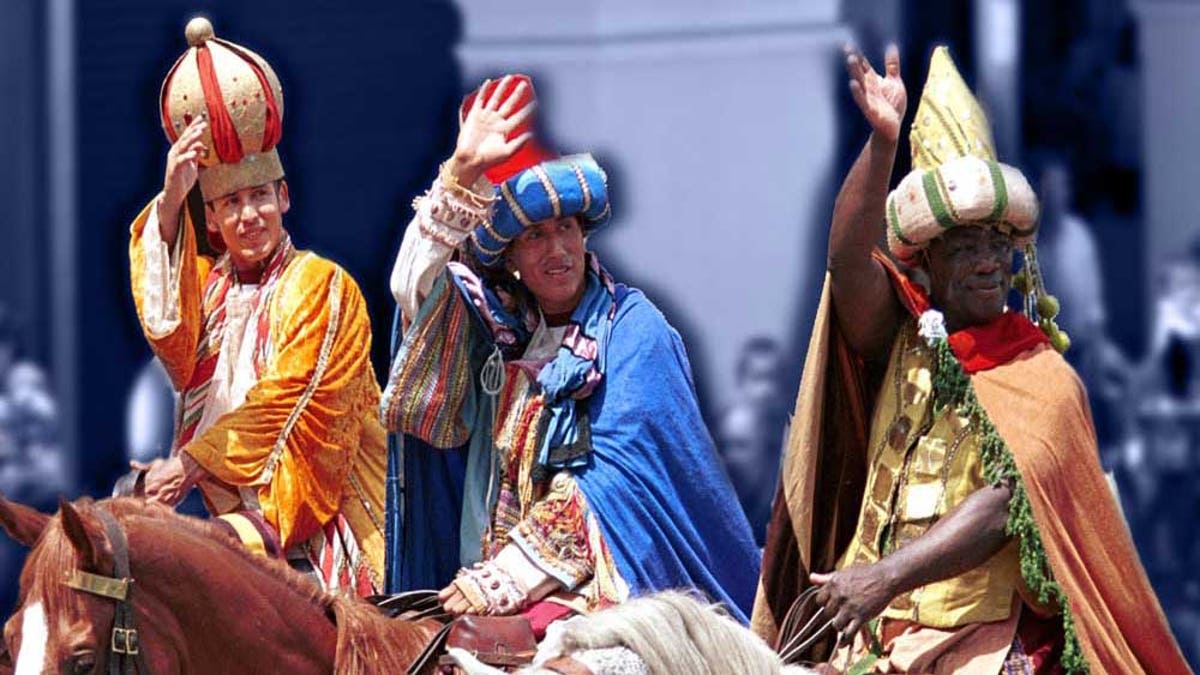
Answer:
[(83, 533), (22, 523)]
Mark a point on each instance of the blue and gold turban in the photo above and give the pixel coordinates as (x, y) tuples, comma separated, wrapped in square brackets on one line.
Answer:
[(574, 185)]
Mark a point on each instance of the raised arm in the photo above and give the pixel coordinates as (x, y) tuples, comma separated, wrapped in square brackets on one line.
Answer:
[(867, 310), (460, 198), (183, 168), (166, 274)]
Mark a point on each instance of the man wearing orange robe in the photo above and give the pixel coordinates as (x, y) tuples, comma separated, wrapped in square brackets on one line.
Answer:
[(267, 345), (942, 488)]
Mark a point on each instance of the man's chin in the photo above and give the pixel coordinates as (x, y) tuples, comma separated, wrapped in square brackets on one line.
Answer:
[(554, 298), (984, 316), (560, 286), (555, 295)]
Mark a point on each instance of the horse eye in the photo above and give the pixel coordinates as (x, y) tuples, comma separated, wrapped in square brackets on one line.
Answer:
[(83, 664)]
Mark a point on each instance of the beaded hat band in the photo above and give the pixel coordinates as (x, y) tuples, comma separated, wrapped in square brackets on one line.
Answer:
[(568, 186)]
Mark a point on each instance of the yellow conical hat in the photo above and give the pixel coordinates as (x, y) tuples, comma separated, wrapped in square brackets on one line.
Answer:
[(950, 123), (955, 179)]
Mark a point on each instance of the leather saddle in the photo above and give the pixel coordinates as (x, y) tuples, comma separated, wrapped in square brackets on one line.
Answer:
[(500, 641)]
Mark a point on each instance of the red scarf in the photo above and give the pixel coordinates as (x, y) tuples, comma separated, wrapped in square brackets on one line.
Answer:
[(978, 348), (216, 288)]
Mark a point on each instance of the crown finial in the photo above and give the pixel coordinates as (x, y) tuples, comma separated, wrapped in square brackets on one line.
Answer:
[(198, 31)]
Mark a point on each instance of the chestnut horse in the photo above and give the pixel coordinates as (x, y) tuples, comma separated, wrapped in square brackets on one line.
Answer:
[(200, 602)]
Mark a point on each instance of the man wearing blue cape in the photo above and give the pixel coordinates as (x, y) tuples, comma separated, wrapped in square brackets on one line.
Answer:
[(553, 449)]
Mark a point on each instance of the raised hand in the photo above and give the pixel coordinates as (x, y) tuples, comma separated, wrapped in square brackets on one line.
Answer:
[(183, 168), (882, 100), (482, 139)]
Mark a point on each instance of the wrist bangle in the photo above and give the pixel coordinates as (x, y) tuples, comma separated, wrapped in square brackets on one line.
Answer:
[(451, 184)]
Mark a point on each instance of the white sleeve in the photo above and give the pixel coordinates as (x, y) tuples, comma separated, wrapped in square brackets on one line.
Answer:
[(521, 567), (441, 223), (160, 280)]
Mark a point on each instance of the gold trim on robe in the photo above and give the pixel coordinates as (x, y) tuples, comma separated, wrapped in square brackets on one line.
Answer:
[(306, 442)]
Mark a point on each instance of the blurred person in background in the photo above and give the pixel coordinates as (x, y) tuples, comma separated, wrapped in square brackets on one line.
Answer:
[(1070, 262), (33, 467), (1161, 461), (750, 430), (1173, 361)]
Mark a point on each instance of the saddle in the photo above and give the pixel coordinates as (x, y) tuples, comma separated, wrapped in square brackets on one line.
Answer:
[(505, 642)]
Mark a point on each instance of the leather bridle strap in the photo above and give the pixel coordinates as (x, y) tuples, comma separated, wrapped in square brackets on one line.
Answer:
[(125, 654)]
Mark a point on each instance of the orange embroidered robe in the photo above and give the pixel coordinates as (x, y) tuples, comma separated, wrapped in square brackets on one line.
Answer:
[(284, 422)]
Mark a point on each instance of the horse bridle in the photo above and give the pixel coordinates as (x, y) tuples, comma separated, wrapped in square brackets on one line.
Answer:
[(125, 653)]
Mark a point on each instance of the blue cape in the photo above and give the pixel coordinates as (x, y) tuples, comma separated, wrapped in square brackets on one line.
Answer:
[(665, 506)]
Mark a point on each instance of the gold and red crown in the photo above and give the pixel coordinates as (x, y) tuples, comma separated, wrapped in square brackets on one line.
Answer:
[(239, 94)]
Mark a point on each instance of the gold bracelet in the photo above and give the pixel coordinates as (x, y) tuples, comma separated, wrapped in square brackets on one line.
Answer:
[(449, 180), (451, 184)]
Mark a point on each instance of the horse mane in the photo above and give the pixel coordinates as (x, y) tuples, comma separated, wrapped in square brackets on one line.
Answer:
[(674, 632), (367, 641)]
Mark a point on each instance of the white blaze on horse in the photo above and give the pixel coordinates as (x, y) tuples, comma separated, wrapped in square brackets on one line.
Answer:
[(35, 635)]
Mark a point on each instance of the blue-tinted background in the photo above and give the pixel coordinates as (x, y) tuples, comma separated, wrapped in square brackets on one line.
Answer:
[(726, 128)]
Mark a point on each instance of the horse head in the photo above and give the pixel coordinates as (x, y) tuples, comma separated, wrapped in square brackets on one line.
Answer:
[(192, 600), (94, 561), (70, 591)]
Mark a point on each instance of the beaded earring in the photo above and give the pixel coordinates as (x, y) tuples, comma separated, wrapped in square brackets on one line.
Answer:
[(1040, 306)]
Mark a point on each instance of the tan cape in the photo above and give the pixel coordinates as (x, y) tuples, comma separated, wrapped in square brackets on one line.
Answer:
[(1040, 408)]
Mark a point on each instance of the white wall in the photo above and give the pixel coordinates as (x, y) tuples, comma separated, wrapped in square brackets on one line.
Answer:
[(997, 72), (1170, 47)]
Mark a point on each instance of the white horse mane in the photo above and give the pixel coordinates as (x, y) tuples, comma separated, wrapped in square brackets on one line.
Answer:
[(669, 632)]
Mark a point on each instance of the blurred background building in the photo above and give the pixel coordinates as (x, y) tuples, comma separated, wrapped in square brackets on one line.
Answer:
[(726, 127)]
